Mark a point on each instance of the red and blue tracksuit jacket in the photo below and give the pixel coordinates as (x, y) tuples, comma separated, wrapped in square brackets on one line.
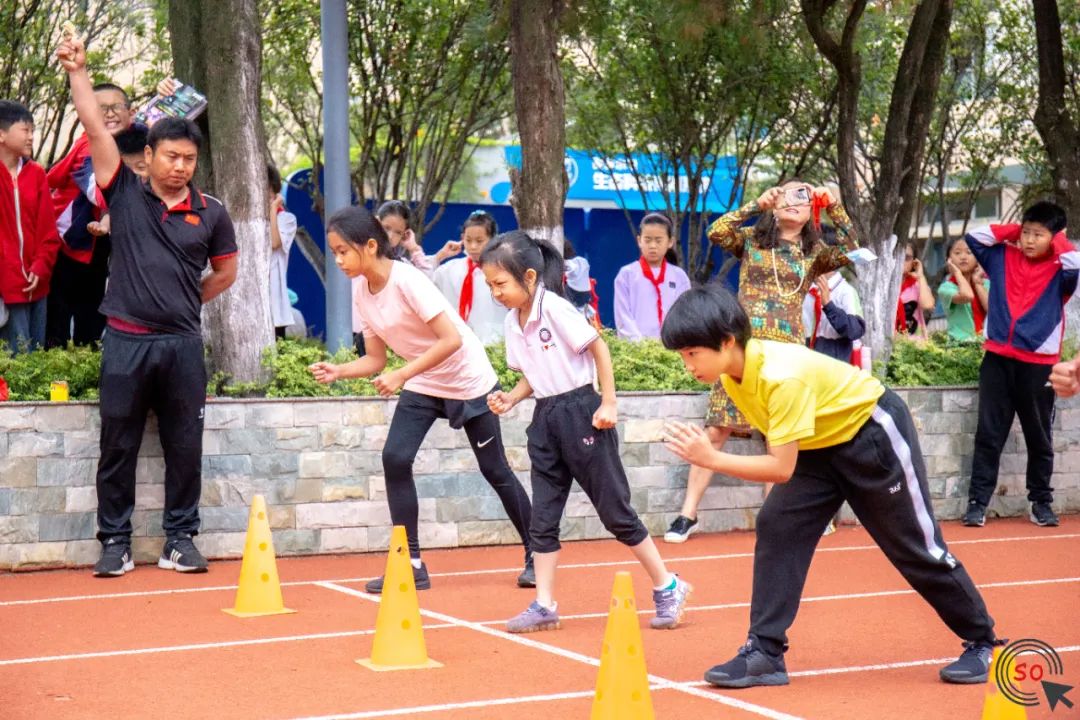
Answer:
[(76, 200), (1025, 316)]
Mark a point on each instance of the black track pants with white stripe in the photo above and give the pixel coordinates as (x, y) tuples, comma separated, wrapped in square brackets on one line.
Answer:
[(881, 474)]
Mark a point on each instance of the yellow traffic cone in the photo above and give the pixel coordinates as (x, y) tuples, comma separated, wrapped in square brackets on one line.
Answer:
[(399, 633), (622, 685), (259, 592), (997, 706)]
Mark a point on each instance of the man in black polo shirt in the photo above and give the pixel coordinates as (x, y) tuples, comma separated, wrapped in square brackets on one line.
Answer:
[(164, 232)]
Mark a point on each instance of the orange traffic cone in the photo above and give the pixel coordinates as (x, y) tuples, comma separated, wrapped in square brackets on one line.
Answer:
[(259, 591), (622, 685), (399, 632), (997, 706)]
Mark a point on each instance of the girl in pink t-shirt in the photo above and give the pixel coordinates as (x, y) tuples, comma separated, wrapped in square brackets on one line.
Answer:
[(447, 375)]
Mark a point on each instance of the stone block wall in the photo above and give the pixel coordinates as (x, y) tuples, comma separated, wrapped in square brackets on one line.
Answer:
[(317, 463)]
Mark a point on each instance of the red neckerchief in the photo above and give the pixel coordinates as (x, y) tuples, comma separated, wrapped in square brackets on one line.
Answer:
[(977, 312), (656, 281), (817, 314), (817, 204), (465, 299)]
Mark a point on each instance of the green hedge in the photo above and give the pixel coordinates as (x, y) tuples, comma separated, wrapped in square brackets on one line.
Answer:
[(638, 366)]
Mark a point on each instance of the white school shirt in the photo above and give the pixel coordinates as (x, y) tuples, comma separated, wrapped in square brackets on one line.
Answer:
[(551, 351), (280, 307), (399, 315), (486, 316), (843, 295), (635, 299)]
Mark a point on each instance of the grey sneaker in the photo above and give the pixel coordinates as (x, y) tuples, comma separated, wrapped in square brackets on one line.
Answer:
[(751, 666), (115, 558), (670, 605), (1043, 515), (527, 578), (181, 555), (420, 578), (534, 618), (973, 665), (975, 515)]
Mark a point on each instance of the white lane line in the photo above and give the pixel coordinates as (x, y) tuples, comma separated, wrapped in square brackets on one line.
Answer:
[(571, 655), (446, 707), (893, 666), (186, 648), (498, 571)]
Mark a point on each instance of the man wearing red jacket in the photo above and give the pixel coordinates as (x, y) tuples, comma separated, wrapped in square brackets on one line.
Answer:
[(28, 237)]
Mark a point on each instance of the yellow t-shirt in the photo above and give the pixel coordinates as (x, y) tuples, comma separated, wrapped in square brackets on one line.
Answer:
[(790, 392)]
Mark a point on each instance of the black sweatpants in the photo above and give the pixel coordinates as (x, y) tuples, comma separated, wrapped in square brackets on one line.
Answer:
[(166, 374), (881, 474), (414, 416), (564, 446), (1010, 388), (75, 292)]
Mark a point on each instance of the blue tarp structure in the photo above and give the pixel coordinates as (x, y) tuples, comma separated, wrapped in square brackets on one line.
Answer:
[(600, 235)]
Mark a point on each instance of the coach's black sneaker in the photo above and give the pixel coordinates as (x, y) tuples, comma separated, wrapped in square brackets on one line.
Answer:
[(975, 515), (751, 666), (1043, 515), (181, 555), (972, 666), (680, 529), (115, 558), (420, 577), (527, 578)]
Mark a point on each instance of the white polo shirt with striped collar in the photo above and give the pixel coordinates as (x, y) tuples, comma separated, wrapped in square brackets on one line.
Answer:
[(551, 350)]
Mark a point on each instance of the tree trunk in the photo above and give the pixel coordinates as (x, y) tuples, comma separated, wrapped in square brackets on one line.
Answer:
[(1059, 131), (888, 215), (189, 66), (238, 323), (539, 187)]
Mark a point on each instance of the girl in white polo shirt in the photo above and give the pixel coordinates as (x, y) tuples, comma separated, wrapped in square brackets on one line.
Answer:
[(447, 375), (572, 434)]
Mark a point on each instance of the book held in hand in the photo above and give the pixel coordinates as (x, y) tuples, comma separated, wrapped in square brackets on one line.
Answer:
[(185, 102)]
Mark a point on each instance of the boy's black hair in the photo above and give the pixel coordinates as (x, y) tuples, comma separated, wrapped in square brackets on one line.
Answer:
[(517, 252), (174, 129), (273, 178), (356, 226), (115, 88), (1050, 215), (663, 220), (12, 112), (480, 218), (132, 140), (705, 317), (396, 208)]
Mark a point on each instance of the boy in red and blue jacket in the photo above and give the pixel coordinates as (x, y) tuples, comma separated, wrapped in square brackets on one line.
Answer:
[(1033, 272)]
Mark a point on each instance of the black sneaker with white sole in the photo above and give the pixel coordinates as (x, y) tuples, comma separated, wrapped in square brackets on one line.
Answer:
[(680, 529), (181, 555), (115, 558), (1043, 515), (527, 578), (973, 665), (420, 578), (975, 515), (751, 666)]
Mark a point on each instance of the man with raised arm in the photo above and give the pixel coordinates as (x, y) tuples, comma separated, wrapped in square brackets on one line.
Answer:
[(164, 233)]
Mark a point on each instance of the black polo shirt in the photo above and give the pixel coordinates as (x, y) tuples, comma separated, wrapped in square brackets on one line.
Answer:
[(159, 255)]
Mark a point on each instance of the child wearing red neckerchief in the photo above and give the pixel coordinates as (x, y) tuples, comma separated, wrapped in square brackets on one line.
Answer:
[(462, 281), (644, 290)]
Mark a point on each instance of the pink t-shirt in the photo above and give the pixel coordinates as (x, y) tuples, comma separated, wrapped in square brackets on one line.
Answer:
[(399, 315)]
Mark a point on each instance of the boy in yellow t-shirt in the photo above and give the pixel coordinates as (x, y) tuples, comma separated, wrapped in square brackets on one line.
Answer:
[(834, 433)]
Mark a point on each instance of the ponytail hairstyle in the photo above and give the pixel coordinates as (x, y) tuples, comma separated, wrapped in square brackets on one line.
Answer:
[(355, 225), (480, 218), (767, 230), (669, 227), (396, 208), (517, 252)]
